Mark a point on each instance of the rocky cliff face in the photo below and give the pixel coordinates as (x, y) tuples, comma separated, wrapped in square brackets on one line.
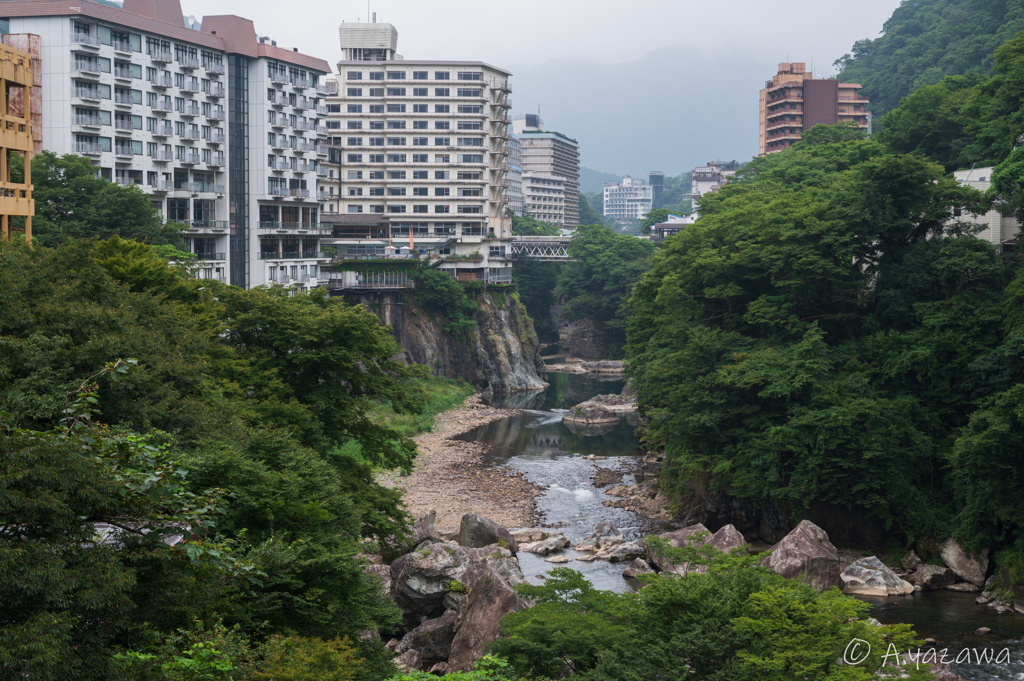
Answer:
[(501, 353)]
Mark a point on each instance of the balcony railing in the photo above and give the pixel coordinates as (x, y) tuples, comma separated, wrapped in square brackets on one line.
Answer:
[(188, 63), (123, 151), (161, 80), (192, 134), (299, 193), (161, 55), (277, 192), (300, 83), (162, 130), (205, 226), (190, 159), (162, 107), (162, 155), (123, 73), (88, 148), (326, 90), (291, 227), (124, 100), (319, 255), (301, 168), (216, 114), (189, 86), (87, 93), (216, 160), (189, 111), (125, 181), (278, 78), (216, 137), (85, 39), (123, 125), (87, 66), (323, 196), (216, 69), (89, 121), (121, 46), (216, 90), (280, 164)]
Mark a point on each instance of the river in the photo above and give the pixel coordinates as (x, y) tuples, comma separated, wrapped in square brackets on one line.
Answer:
[(551, 456)]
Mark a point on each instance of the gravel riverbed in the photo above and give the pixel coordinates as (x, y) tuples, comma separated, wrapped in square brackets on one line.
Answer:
[(448, 476)]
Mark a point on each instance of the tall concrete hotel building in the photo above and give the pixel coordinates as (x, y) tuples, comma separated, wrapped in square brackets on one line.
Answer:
[(222, 129), (545, 155), (418, 157), (794, 101)]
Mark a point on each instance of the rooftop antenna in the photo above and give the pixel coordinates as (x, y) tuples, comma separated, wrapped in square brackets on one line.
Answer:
[(192, 21)]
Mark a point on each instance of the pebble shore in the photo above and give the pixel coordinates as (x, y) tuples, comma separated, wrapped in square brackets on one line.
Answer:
[(448, 476)]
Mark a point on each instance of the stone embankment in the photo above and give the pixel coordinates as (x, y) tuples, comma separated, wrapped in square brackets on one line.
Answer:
[(449, 476)]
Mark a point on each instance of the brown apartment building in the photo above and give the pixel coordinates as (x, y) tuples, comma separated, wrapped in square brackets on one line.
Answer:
[(794, 101)]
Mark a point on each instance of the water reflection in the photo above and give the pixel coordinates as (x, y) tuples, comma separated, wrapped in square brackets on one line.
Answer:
[(538, 436), (952, 618)]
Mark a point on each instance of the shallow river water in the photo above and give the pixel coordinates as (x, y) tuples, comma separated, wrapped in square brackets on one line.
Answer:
[(551, 455)]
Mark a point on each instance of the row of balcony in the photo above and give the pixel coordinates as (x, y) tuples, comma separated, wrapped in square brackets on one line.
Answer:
[(295, 255), (190, 187), (93, 42)]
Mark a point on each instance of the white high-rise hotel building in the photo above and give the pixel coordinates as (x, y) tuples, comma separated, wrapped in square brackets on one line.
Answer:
[(221, 128), (419, 148)]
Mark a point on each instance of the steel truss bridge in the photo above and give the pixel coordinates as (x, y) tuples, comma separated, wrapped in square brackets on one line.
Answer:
[(545, 248)]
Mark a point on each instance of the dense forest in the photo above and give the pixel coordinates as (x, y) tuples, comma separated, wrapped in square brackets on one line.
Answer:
[(926, 40), (829, 335)]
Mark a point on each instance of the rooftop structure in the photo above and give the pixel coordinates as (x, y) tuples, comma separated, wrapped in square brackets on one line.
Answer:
[(1002, 231)]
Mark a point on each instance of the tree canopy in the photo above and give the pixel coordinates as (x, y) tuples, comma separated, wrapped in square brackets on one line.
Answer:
[(247, 417), (926, 40), (73, 203)]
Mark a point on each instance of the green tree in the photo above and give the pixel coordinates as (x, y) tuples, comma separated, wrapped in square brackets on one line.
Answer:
[(588, 215), (599, 278), (923, 42), (784, 346), (73, 203), (527, 226)]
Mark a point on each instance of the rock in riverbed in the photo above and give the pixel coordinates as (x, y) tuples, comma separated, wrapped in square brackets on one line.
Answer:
[(968, 566), (870, 577), (806, 553)]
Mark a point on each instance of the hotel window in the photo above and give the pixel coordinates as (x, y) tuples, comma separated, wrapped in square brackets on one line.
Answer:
[(442, 75), (420, 75), (355, 92), (442, 92), (420, 108), (396, 125), (396, 75)]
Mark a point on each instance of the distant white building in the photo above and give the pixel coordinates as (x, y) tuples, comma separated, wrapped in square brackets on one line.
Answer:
[(628, 200), (544, 197), (1001, 231), (709, 178)]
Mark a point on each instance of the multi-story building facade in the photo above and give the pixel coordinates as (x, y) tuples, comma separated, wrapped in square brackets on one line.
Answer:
[(551, 153), (627, 201), (514, 176), (219, 127), (544, 197), (16, 204), (423, 143), (794, 101)]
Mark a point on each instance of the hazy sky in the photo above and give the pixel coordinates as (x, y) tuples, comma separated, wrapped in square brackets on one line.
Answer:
[(548, 40)]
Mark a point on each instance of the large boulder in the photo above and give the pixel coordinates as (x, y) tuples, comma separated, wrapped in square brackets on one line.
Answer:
[(677, 539), (555, 542), (432, 640), (620, 553), (585, 340), (431, 579), (423, 528), (911, 560), (727, 539), (638, 567), (588, 414), (477, 531), (480, 619), (968, 566), (870, 577), (930, 577), (805, 554), (605, 534), (383, 572)]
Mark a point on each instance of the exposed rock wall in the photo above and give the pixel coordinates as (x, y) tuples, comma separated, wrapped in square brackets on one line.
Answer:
[(585, 340), (502, 351)]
